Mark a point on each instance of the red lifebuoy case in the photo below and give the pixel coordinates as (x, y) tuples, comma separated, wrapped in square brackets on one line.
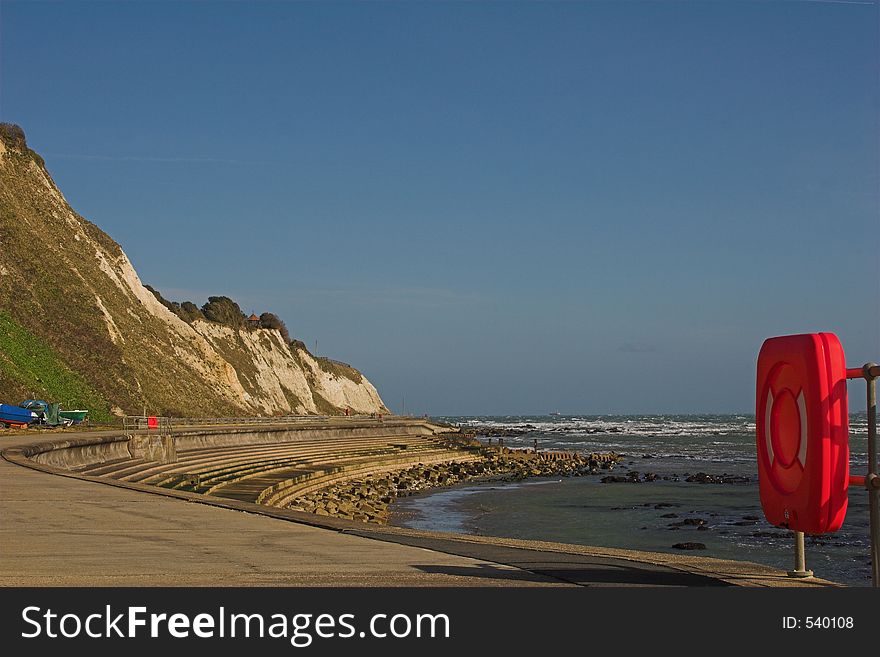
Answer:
[(802, 429)]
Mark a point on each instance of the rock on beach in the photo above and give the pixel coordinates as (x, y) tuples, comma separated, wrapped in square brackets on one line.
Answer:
[(367, 498)]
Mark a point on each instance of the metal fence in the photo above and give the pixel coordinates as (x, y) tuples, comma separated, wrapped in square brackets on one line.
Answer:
[(147, 423), (165, 424), (280, 419)]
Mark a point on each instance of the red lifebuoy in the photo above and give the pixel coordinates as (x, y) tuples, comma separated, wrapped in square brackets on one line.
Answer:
[(802, 429)]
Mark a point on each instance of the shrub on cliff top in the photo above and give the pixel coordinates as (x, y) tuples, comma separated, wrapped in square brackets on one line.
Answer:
[(272, 321), (13, 136), (158, 296), (187, 311), (190, 311), (223, 310)]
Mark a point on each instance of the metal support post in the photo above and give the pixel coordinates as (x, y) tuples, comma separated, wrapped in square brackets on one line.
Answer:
[(872, 480), (800, 560)]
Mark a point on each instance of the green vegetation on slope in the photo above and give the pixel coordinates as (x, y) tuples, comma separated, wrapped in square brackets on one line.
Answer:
[(14, 136), (336, 368), (29, 366), (221, 310)]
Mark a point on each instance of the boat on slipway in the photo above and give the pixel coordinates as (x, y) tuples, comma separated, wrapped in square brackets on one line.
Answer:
[(76, 416), (16, 416)]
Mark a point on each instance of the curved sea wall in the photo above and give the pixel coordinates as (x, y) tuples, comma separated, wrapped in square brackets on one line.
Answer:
[(352, 470), (70, 454), (270, 465)]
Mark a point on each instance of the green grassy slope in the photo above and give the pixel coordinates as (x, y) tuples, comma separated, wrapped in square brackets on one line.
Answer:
[(30, 368)]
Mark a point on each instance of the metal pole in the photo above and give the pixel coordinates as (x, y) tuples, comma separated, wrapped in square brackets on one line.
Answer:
[(872, 481), (800, 560)]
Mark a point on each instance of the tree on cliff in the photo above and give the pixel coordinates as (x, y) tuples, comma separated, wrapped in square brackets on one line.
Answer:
[(223, 310), (187, 311), (272, 321)]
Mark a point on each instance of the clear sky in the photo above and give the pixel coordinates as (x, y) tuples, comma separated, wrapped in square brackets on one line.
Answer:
[(488, 208)]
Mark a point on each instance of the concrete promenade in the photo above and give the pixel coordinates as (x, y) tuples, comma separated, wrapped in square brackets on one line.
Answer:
[(62, 529)]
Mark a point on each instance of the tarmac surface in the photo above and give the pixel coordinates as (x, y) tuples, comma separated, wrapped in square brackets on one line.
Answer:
[(61, 529)]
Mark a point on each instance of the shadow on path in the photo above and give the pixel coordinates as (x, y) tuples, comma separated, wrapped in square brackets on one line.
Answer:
[(576, 569)]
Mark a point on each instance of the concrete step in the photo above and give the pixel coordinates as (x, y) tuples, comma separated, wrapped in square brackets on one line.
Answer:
[(254, 469), (192, 461), (280, 479), (210, 462)]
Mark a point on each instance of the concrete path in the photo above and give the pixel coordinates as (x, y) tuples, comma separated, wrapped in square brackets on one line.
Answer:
[(67, 531)]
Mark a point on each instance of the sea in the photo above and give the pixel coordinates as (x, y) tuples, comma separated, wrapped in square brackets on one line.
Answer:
[(642, 516)]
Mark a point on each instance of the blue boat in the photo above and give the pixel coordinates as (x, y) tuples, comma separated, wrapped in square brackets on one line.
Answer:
[(16, 416)]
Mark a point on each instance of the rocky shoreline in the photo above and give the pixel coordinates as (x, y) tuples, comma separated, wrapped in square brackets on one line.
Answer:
[(636, 477), (486, 431), (367, 498)]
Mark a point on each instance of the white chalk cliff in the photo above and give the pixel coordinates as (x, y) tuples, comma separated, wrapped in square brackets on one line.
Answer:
[(73, 288)]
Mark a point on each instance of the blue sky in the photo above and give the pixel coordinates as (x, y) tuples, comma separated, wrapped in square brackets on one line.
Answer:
[(487, 207)]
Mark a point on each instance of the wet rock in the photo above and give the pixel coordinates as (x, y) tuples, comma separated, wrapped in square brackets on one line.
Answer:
[(669, 515), (689, 522), (689, 546), (502, 432), (705, 478), (367, 499)]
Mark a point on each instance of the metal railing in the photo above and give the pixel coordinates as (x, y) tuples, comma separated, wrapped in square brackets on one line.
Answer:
[(147, 423), (268, 420)]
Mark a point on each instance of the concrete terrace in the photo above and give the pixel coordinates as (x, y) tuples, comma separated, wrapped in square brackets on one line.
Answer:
[(84, 514), (273, 473)]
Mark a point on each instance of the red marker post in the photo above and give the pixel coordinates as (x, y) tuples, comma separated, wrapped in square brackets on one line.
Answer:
[(802, 431)]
